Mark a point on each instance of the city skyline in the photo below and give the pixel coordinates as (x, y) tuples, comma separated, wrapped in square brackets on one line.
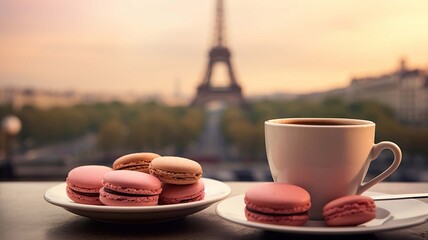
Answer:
[(147, 47)]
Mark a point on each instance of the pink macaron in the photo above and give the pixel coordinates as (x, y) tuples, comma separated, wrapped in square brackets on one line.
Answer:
[(84, 183), (277, 203), (173, 194), (130, 188), (349, 211)]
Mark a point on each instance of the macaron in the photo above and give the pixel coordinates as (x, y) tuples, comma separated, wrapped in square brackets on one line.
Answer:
[(277, 203), (84, 183), (130, 188), (175, 170), (135, 161), (349, 211), (173, 194)]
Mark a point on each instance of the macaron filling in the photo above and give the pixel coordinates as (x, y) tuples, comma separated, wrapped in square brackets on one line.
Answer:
[(159, 173), (126, 194), (133, 166), (282, 209), (276, 214), (131, 190), (124, 199), (87, 194)]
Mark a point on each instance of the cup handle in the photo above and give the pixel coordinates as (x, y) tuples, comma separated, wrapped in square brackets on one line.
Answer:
[(375, 152)]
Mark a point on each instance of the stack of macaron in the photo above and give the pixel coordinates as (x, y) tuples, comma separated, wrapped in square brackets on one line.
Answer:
[(84, 184), (137, 179), (286, 204)]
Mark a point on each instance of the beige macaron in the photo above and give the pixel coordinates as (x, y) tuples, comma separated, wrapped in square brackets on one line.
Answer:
[(175, 170), (135, 161)]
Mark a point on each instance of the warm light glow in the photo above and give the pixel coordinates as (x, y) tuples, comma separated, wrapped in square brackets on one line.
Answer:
[(11, 125), (144, 46)]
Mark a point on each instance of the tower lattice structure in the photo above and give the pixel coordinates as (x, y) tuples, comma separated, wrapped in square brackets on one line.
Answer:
[(219, 53)]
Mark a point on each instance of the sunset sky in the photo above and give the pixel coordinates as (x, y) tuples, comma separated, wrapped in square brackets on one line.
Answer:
[(152, 46)]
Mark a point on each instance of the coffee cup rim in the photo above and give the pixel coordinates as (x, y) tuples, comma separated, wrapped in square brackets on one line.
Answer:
[(344, 122)]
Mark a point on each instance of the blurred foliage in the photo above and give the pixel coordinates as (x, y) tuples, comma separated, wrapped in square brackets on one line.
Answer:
[(152, 126), (244, 128), (139, 126), (111, 135)]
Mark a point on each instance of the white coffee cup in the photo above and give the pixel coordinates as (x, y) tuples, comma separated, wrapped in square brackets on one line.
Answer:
[(329, 157)]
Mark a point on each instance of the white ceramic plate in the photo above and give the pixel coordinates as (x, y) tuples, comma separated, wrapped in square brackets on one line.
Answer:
[(214, 191), (391, 214)]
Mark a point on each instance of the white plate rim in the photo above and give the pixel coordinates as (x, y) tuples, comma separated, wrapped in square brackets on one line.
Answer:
[(224, 190), (319, 230)]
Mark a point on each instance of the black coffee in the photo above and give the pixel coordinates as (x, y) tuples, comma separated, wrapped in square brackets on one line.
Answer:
[(329, 122)]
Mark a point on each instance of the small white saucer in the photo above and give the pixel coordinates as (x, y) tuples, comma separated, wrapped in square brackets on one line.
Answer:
[(214, 192), (391, 214)]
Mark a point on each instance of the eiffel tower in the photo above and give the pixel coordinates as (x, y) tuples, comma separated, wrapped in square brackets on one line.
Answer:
[(231, 93)]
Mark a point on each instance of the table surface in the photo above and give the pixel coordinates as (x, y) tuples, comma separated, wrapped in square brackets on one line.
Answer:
[(24, 214)]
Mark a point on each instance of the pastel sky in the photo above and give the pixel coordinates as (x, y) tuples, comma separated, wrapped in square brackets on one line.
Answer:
[(153, 46)]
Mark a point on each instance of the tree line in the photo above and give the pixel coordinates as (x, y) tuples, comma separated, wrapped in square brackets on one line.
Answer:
[(132, 127), (153, 126), (244, 128)]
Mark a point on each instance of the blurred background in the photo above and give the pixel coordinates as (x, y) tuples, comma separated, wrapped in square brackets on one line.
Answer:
[(87, 81)]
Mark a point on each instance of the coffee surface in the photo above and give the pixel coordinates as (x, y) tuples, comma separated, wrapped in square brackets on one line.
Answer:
[(317, 122)]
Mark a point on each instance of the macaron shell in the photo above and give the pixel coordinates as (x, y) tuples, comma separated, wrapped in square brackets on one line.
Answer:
[(175, 170), (135, 161), (277, 198), (87, 177), (176, 164), (289, 220), (127, 181), (111, 199), (173, 194), (349, 211)]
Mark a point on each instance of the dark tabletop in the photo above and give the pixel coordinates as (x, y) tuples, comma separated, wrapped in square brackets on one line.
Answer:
[(24, 214)]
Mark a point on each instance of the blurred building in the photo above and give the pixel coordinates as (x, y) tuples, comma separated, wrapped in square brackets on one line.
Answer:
[(405, 91), (42, 99), (45, 99)]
